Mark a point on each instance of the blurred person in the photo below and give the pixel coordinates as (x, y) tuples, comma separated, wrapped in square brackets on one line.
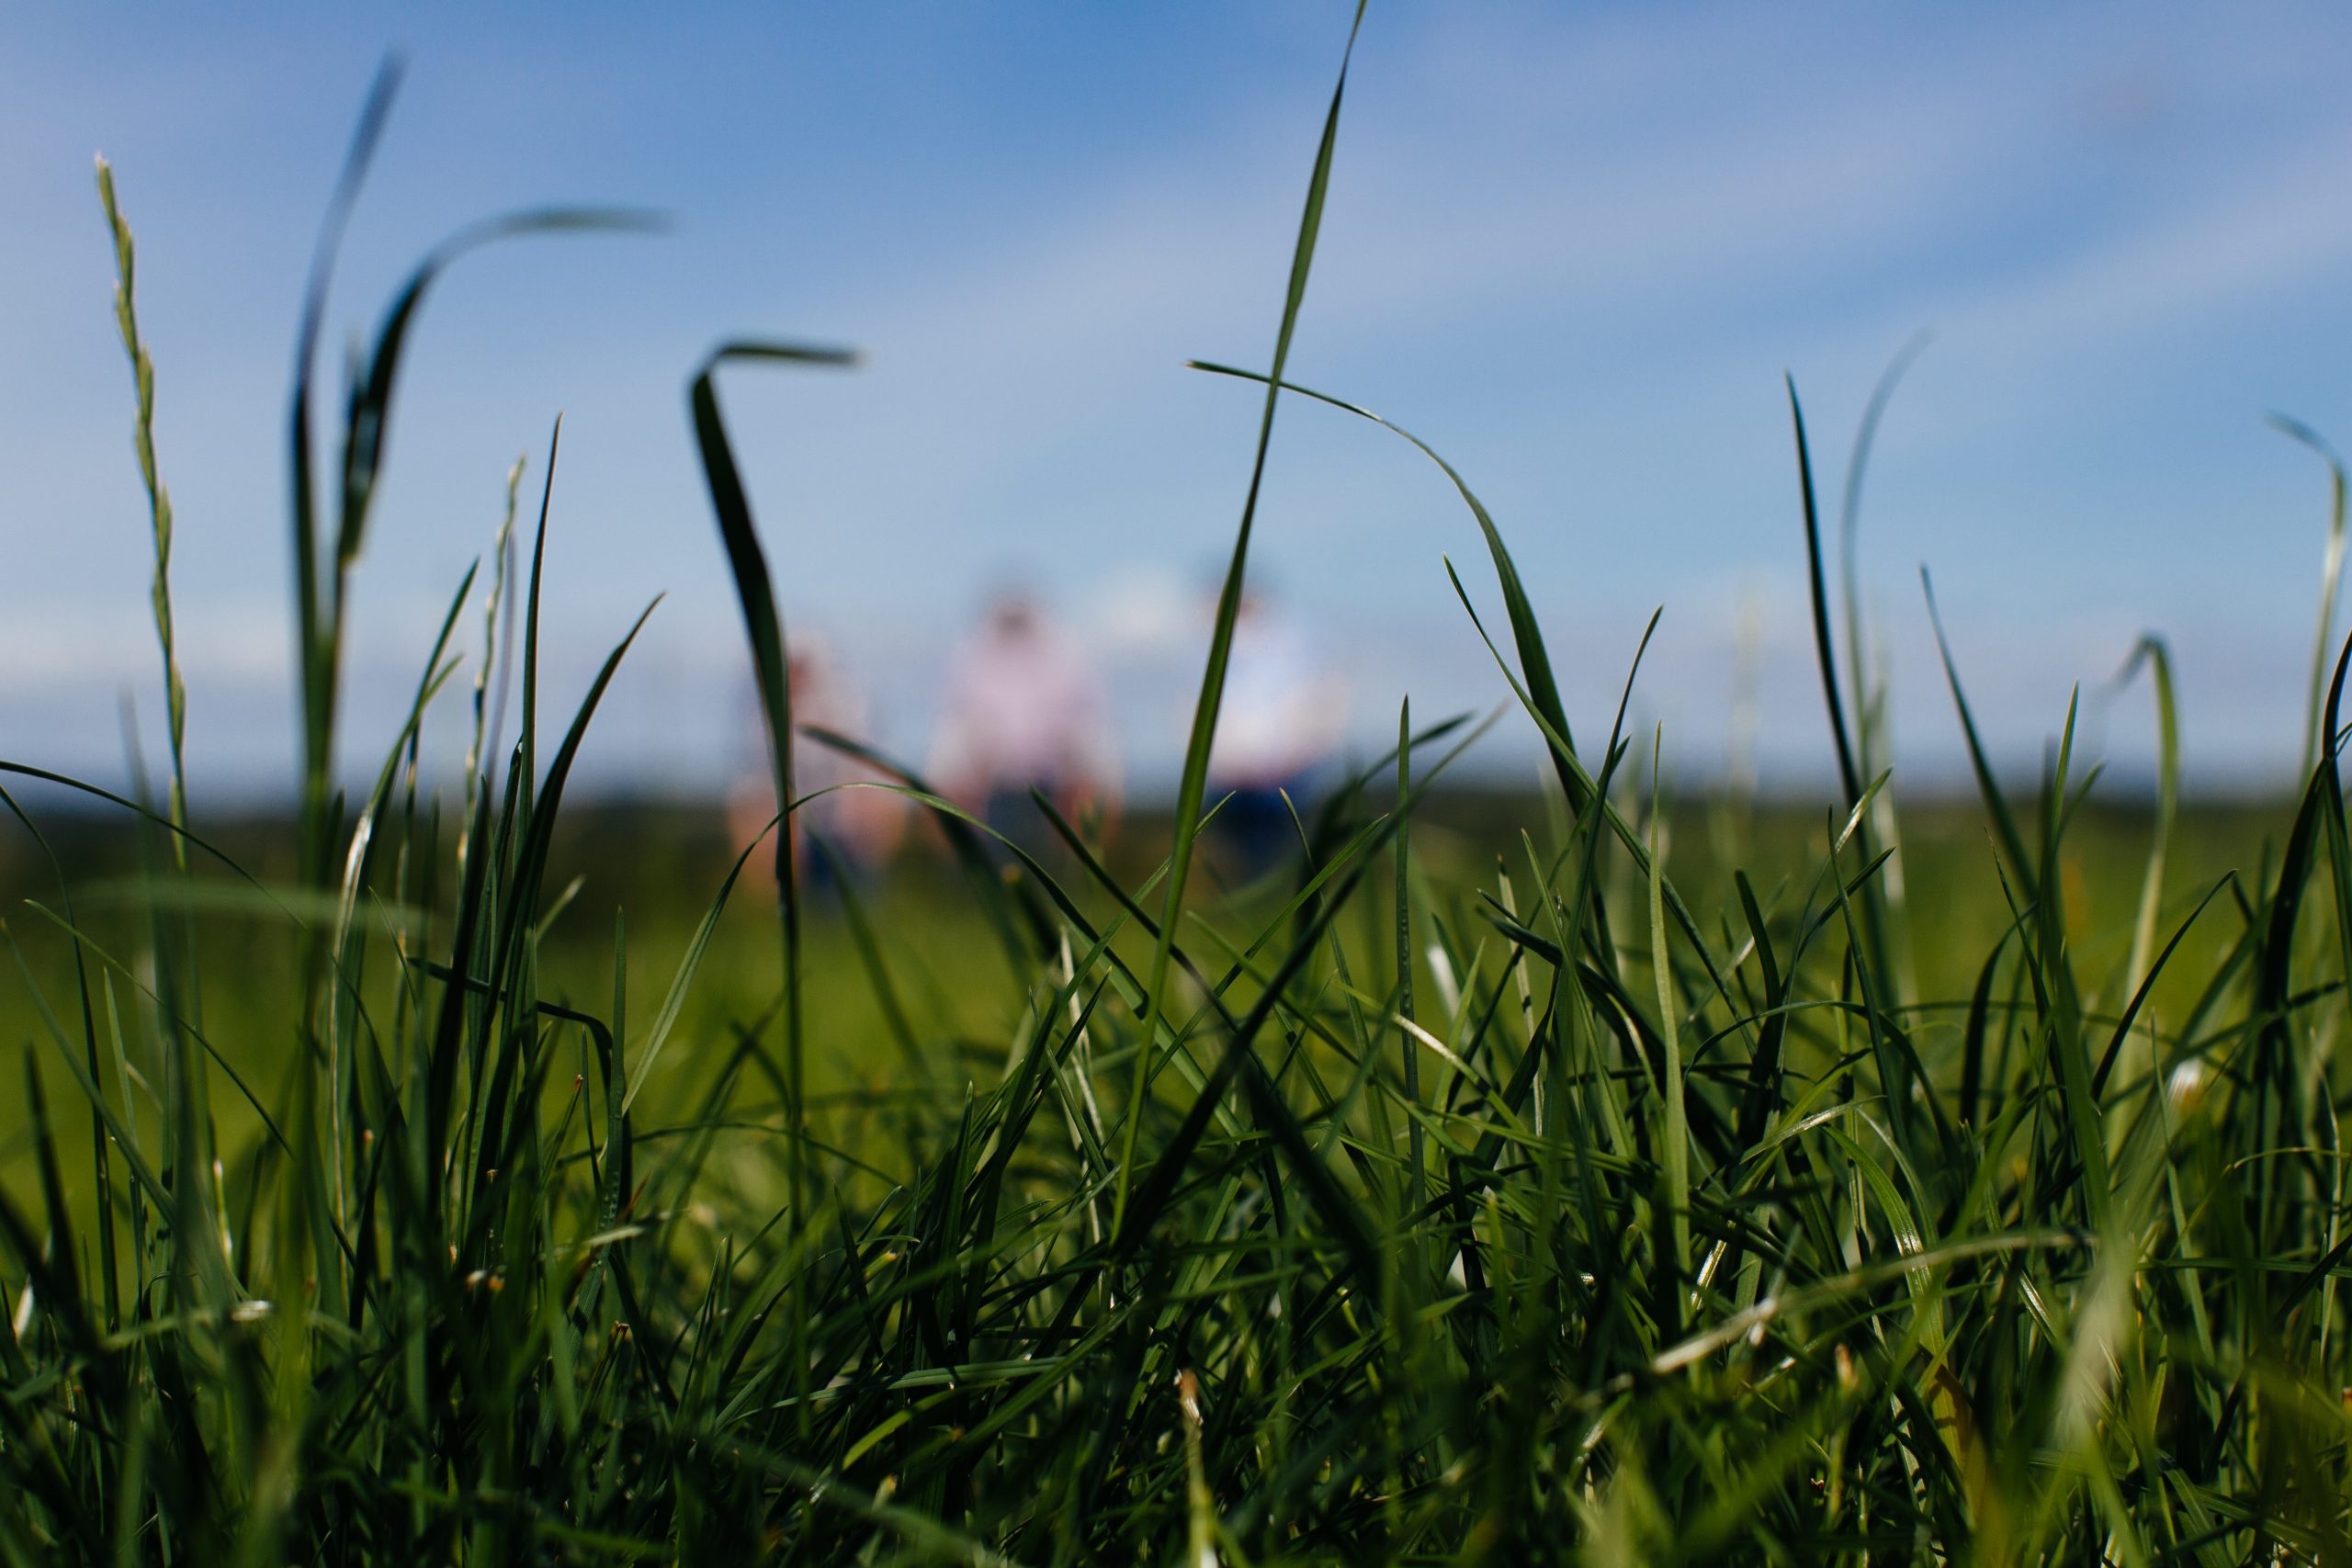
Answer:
[(1278, 723), (864, 826), (1022, 710)]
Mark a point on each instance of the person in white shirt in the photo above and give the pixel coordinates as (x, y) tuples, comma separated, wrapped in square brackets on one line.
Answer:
[(1280, 720)]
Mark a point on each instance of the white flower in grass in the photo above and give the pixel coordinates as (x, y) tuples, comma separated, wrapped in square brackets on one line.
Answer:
[(2184, 1089)]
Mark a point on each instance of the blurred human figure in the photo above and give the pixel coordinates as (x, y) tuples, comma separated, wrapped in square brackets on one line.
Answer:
[(1279, 722), (1023, 709), (863, 826)]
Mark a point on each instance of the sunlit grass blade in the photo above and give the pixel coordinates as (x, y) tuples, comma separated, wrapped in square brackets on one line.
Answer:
[(2153, 652)]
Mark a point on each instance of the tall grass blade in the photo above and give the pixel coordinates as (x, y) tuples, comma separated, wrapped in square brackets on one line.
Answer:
[(2152, 651), (1193, 782), (2330, 575), (159, 499)]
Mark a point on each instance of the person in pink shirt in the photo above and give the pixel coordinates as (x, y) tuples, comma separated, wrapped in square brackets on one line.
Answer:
[(1023, 710)]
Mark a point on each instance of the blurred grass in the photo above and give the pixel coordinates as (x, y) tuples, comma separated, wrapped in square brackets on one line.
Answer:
[(658, 863)]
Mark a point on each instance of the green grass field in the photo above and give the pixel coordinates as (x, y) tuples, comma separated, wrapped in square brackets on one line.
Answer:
[(1587, 1177)]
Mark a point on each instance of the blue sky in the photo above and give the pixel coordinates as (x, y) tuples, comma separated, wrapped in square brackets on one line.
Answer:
[(1575, 247)]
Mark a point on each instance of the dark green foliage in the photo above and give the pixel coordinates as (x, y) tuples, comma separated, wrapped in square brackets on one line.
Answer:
[(1387, 1212)]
